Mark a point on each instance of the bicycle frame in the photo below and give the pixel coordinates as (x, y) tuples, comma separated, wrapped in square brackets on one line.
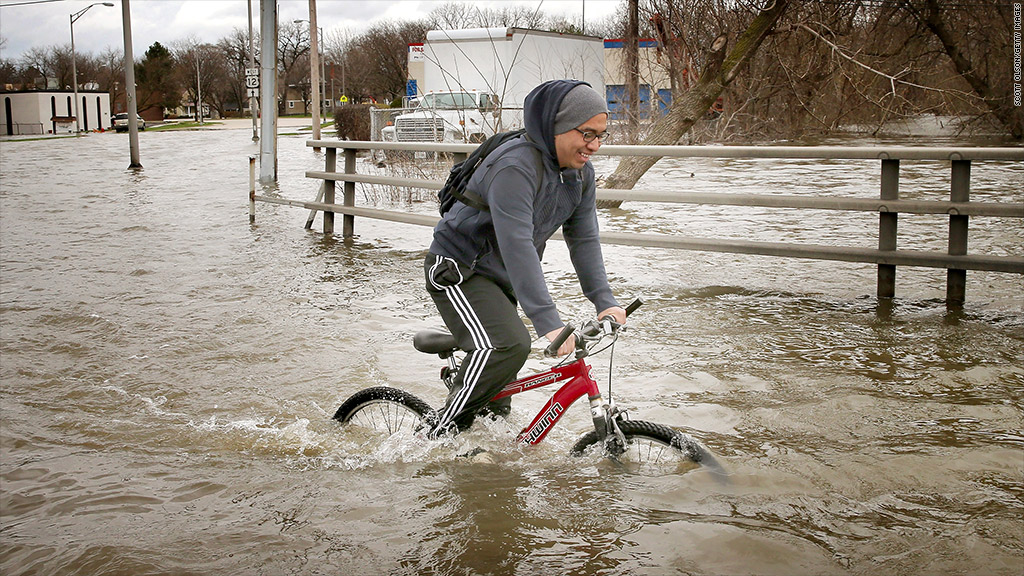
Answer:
[(577, 383), (638, 444)]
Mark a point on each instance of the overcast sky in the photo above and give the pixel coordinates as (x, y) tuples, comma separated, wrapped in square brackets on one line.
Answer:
[(29, 23)]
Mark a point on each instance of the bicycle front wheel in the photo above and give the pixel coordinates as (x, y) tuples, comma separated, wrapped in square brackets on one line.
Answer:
[(384, 410), (651, 449)]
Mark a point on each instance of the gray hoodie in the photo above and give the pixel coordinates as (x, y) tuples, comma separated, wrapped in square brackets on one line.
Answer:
[(529, 197)]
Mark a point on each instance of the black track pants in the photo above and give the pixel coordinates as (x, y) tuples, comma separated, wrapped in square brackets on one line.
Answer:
[(486, 324)]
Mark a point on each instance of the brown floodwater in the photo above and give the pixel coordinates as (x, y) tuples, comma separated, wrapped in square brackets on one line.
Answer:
[(168, 373)]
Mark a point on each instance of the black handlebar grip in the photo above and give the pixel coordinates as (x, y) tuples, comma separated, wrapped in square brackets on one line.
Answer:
[(634, 305), (552, 348)]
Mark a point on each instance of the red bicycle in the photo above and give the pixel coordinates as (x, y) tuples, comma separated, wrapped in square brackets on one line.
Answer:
[(640, 446)]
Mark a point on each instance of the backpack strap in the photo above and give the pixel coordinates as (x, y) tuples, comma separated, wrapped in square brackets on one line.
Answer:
[(473, 199)]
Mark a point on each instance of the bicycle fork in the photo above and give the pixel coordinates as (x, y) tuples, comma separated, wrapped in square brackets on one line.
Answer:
[(606, 422)]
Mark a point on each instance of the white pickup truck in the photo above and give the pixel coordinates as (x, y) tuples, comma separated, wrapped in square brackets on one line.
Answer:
[(460, 116)]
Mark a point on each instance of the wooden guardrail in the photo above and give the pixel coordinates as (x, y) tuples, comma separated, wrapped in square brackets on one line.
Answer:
[(887, 257)]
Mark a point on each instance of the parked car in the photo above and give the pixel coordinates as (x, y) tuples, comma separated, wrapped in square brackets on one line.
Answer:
[(121, 122)]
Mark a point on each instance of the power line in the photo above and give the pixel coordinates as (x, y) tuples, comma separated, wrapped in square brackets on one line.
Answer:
[(29, 2)]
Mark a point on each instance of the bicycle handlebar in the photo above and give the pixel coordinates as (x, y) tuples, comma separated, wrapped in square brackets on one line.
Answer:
[(634, 305), (552, 349)]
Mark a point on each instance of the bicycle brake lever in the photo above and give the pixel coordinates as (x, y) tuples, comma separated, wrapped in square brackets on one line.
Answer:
[(609, 326), (589, 331)]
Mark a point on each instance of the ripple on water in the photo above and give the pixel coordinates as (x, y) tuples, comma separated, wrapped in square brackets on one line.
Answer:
[(169, 372)]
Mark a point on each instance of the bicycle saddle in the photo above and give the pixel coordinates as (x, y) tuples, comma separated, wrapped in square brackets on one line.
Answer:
[(434, 342)]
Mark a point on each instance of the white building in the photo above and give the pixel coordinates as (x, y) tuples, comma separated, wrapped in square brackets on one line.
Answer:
[(508, 62), (511, 61), (53, 112)]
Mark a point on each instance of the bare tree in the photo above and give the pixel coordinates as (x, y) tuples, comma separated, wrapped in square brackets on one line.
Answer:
[(8, 73), (234, 51), (90, 70), (200, 69), (292, 58), (377, 59), (37, 62), (336, 47), (454, 16), (722, 66), (514, 16), (111, 71), (978, 41)]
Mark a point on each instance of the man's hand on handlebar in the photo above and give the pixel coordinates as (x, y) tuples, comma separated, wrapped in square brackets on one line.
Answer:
[(568, 346), (616, 312)]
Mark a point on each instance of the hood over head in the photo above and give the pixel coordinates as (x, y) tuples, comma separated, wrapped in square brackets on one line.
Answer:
[(541, 111)]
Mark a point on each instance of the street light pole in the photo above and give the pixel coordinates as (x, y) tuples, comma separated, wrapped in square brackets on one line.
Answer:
[(74, 67), (199, 89), (268, 90), (314, 68), (323, 58), (129, 86)]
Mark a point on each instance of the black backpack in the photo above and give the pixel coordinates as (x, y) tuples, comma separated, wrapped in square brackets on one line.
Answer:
[(454, 189)]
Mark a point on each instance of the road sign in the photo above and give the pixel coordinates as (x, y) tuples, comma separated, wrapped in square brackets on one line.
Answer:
[(343, 99), (252, 78), (253, 93)]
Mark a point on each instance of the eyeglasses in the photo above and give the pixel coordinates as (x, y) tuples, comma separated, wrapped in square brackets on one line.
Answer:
[(589, 135)]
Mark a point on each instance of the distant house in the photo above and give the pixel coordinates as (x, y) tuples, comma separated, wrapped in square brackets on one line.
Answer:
[(52, 111)]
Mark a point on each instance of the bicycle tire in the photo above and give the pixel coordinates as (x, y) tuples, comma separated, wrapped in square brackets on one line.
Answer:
[(652, 448), (383, 409)]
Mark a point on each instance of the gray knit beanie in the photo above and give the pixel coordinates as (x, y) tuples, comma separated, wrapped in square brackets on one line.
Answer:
[(581, 104)]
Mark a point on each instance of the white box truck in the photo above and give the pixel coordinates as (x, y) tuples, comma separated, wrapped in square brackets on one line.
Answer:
[(472, 83)]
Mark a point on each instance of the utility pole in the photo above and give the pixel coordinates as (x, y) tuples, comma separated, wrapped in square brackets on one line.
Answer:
[(129, 85), (633, 69), (199, 89), (314, 70), (268, 90), (74, 68)]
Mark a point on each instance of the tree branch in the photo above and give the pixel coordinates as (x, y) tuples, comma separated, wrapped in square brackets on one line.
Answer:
[(893, 80), (720, 70)]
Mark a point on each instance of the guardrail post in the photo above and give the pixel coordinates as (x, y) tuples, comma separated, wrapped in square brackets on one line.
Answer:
[(330, 165), (959, 191), (252, 189), (350, 193), (890, 190)]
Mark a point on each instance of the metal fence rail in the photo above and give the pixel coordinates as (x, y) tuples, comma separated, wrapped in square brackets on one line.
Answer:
[(26, 128), (887, 257)]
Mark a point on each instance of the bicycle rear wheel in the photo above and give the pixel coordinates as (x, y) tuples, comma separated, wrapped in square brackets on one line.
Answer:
[(383, 409), (652, 449)]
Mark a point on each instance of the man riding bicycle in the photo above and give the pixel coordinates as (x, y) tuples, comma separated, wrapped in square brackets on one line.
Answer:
[(481, 262)]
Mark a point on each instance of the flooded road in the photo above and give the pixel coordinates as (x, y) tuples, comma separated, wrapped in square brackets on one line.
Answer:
[(168, 373)]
